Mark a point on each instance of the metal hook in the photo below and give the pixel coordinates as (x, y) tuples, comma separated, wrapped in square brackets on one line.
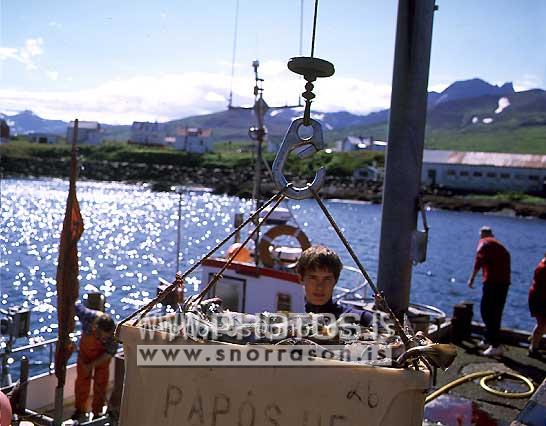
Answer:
[(305, 147)]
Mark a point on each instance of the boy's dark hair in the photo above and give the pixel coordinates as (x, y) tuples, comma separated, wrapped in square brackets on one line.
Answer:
[(319, 257), (105, 323)]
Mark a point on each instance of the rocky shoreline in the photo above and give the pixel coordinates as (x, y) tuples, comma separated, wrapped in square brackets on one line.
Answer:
[(239, 183)]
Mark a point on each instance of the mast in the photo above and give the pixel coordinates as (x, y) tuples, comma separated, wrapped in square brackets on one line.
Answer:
[(258, 133), (260, 108), (405, 149)]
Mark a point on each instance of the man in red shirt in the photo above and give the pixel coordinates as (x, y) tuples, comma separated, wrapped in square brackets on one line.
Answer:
[(537, 305), (494, 261)]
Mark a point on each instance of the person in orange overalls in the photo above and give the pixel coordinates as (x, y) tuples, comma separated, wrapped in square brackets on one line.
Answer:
[(97, 347)]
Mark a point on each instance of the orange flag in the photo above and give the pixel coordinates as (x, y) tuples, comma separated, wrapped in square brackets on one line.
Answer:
[(67, 270)]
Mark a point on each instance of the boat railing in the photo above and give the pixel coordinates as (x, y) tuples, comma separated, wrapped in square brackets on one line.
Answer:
[(354, 293), (8, 353)]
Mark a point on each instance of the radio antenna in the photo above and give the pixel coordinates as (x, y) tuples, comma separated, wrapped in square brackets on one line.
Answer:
[(234, 51)]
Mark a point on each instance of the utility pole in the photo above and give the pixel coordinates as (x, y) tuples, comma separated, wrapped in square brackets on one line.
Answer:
[(405, 150)]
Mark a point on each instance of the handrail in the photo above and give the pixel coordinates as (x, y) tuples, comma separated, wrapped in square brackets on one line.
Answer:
[(39, 344), (32, 346), (344, 292)]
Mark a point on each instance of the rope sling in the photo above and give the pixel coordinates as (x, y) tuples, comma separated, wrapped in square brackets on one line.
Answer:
[(310, 68)]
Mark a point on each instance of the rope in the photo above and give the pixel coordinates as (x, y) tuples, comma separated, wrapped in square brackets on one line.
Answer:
[(485, 377), (280, 196), (314, 30), (148, 307), (380, 300)]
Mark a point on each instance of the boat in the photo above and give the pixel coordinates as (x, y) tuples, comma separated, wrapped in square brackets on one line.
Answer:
[(339, 393)]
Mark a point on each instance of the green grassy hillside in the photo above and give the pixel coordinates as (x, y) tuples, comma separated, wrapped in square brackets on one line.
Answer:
[(337, 164), (459, 125)]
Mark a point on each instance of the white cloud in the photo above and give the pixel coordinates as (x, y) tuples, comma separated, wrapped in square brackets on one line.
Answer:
[(527, 82), (33, 47), (171, 96), (52, 75), (54, 24), (438, 87), (8, 53), (25, 54)]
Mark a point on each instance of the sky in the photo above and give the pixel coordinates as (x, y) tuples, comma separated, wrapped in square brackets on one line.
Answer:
[(138, 60)]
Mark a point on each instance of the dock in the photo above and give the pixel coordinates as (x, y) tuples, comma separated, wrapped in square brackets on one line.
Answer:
[(470, 404)]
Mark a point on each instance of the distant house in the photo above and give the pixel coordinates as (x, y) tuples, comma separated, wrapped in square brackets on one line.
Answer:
[(353, 143), (378, 146), (369, 173), (146, 133), (360, 143), (4, 131), (273, 144), (193, 139), (47, 138), (89, 132), (484, 171)]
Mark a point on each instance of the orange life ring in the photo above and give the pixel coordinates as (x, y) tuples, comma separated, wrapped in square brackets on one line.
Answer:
[(267, 240)]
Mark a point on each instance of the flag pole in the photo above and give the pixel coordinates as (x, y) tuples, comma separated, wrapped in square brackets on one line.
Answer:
[(67, 280)]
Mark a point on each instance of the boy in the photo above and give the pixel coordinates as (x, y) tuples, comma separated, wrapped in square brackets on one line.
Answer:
[(318, 269), (97, 347)]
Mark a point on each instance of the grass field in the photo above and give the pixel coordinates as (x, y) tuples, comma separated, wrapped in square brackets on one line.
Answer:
[(501, 138)]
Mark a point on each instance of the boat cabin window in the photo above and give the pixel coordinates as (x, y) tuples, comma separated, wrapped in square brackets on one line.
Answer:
[(231, 291), (284, 302)]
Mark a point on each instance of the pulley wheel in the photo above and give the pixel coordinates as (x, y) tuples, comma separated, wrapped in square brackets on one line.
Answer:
[(311, 67)]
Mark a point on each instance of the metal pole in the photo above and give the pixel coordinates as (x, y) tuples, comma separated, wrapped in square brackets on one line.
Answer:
[(23, 379), (6, 376), (179, 192), (59, 406), (405, 149)]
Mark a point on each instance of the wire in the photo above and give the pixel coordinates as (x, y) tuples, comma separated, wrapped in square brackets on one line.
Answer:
[(301, 27), (234, 51), (314, 29)]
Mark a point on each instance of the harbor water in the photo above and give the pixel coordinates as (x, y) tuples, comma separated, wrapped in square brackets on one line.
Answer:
[(130, 239)]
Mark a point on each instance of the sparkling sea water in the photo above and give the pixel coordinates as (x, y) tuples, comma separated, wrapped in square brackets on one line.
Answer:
[(130, 238)]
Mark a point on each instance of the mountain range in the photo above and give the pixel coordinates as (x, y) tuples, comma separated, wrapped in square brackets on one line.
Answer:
[(462, 109)]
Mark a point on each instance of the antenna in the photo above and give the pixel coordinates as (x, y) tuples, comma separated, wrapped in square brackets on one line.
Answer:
[(234, 51)]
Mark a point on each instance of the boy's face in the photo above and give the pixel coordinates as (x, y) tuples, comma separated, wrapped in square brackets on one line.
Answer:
[(319, 286)]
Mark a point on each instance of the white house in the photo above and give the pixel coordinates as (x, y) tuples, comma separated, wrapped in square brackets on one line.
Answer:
[(360, 143), (484, 171), (47, 138), (353, 143), (89, 132), (193, 139), (378, 146), (146, 133)]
